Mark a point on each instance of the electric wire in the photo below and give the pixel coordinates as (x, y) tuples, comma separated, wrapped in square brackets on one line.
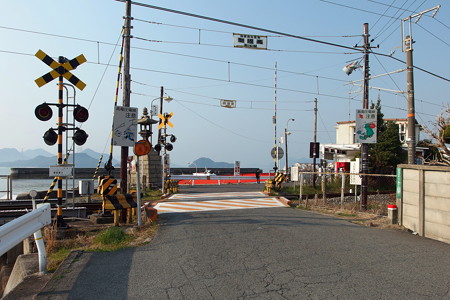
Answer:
[(391, 22), (227, 46), (269, 30), (217, 98), (324, 126), (432, 34), (231, 82), (230, 32), (403, 95), (354, 8), (400, 11), (412, 11), (238, 24), (237, 107), (219, 126), (159, 51), (242, 64), (112, 44), (384, 13)]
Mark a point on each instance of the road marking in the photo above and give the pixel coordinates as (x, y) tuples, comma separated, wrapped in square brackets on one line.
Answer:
[(223, 201)]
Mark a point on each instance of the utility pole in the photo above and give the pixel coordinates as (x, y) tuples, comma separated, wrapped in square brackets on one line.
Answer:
[(315, 142), (275, 145), (365, 146), (411, 139), (126, 93), (407, 46), (161, 113)]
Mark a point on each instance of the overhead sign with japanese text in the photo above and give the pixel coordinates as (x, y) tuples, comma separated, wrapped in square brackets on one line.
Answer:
[(228, 103), (250, 41), (366, 126), (125, 126)]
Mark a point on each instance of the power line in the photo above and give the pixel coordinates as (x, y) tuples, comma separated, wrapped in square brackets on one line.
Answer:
[(230, 32), (216, 98), (227, 46), (415, 67), (271, 31), (238, 24), (139, 48), (354, 8), (219, 126), (397, 15), (239, 64), (220, 80), (412, 11), (384, 13), (433, 34), (164, 52), (217, 105)]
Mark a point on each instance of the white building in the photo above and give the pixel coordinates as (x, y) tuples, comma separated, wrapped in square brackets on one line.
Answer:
[(345, 148)]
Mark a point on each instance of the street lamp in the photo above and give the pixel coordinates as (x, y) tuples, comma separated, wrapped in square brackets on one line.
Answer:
[(286, 133), (154, 110)]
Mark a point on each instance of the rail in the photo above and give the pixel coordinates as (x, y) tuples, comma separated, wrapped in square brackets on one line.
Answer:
[(8, 191)]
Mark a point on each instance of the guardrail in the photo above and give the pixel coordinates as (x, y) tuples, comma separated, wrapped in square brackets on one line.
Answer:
[(15, 231)]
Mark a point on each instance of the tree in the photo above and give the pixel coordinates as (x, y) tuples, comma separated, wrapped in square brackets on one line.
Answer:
[(439, 131), (387, 152)]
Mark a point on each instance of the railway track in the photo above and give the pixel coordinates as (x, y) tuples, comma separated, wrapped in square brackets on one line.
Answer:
[(14, 209)]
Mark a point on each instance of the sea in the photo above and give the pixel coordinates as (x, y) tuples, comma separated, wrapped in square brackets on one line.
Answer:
[(20, 186)]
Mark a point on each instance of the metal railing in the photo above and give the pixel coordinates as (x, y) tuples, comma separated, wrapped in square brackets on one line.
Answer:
[(8, 191), (340, 189)]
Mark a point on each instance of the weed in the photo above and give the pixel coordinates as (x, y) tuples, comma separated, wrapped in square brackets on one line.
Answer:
[(346, 215), (57, 257), (112, 236)]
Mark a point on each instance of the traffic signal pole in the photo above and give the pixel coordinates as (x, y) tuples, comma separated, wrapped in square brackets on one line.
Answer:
[(59, 215)]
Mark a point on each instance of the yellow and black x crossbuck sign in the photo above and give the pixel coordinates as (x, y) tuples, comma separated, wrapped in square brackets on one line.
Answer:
[(60, 69), (165, 120)]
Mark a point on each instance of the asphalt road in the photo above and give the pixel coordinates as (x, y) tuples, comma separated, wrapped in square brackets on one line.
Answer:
[(267, 253)]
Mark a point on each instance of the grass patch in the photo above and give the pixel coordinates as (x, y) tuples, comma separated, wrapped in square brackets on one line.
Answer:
[(86, 236), (94, 237), (346, 214), (111, 236), (56, 258)]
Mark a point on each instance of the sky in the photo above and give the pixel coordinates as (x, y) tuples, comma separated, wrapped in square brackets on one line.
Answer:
[(196, 63)]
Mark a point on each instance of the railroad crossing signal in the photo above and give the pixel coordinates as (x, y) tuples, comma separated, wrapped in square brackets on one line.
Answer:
[(165, 120), (60, 69)]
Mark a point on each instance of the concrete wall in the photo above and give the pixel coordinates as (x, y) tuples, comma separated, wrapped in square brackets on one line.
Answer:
[(425, 202)]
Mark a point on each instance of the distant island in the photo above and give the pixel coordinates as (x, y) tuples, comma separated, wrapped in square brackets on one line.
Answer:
[(39, 158)]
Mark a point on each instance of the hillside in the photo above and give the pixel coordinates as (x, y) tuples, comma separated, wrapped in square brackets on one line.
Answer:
[(204, 162), (12, 154), (38, 158)]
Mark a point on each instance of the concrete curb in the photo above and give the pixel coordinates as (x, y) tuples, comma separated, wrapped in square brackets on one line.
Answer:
[(62, 281), (25, 265), (285, 201)]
